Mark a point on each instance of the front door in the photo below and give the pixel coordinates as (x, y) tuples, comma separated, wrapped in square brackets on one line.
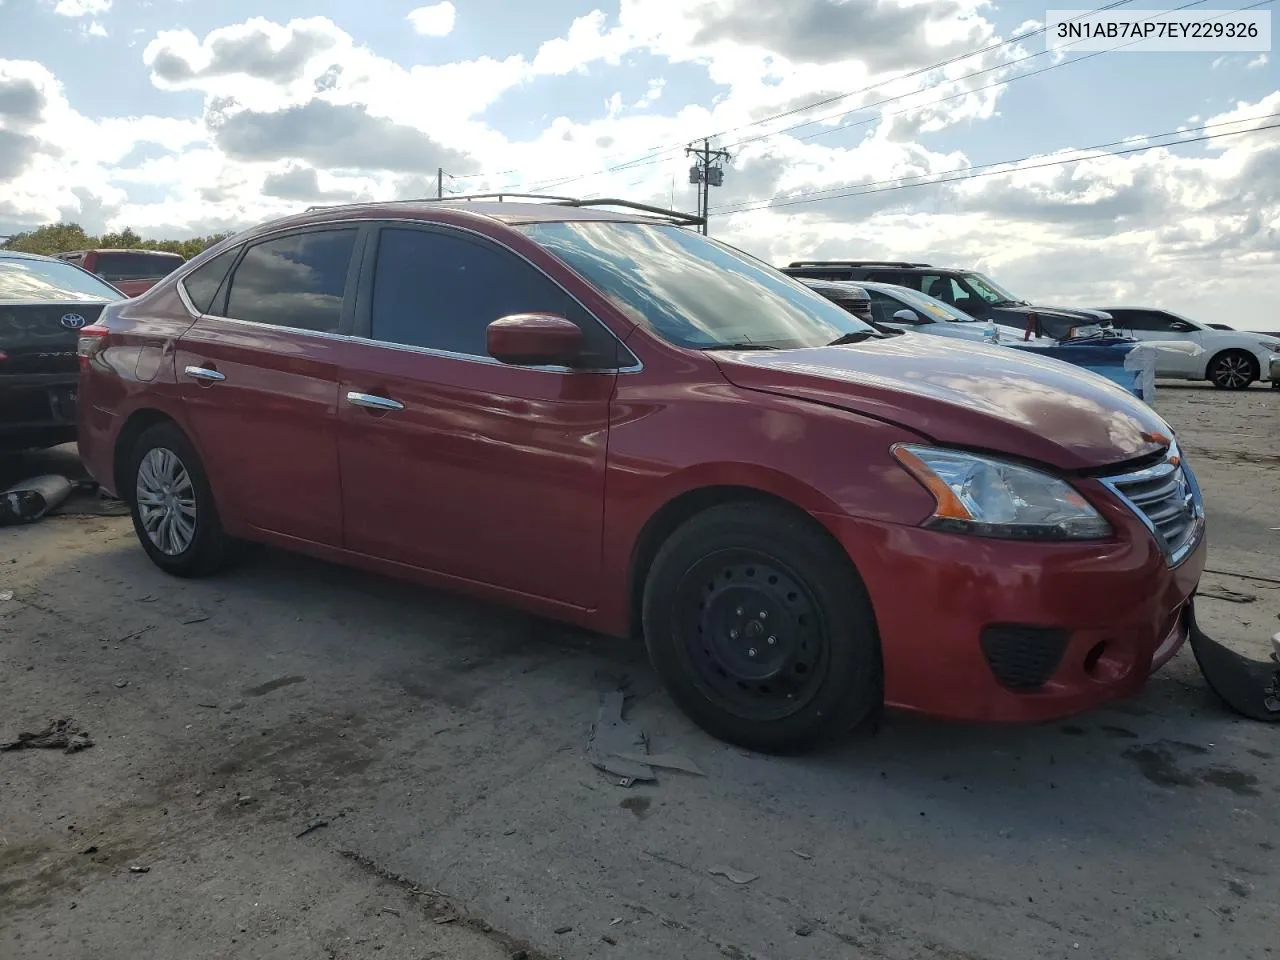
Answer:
[(1158, 325), (260, 385), (452, 461)]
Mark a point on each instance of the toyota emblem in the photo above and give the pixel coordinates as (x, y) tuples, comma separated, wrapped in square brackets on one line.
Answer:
[(72, 321)]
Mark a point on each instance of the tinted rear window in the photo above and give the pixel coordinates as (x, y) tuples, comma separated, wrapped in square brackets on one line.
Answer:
[(294, 281), (49, 281), (135, 266), (204, 282)]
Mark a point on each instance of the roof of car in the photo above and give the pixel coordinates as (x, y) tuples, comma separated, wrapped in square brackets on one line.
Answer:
[(834, 286), (514, 211), (23, 255), (160, 253)]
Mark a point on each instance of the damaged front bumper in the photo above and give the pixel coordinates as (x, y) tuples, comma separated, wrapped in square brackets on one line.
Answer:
[(1249, 687)]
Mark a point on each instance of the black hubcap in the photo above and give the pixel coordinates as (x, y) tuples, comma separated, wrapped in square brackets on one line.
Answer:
[(753, 634)]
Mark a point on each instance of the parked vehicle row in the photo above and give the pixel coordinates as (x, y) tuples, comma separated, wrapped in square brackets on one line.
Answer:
[(601, 416), (1229, 359)]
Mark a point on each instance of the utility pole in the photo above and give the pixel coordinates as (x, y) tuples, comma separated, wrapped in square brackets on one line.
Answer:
[(705, 174), (439, 183)]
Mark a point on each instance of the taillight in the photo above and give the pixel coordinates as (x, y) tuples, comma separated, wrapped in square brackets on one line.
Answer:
[(92, 339)]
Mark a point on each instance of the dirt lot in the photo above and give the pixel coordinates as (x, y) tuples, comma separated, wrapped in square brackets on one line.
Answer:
[(436, 749)]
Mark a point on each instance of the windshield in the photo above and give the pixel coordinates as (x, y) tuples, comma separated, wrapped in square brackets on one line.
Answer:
[(932, 307), (692, 291), (50, 281), (988, 289)]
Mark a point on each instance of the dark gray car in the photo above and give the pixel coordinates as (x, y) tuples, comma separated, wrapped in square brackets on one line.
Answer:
[(44, 304)]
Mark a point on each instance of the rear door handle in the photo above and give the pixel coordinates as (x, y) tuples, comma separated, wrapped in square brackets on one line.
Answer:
[(373, 402), (204, 373)]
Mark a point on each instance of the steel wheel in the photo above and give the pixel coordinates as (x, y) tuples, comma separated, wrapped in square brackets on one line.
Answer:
[(166, 501), (1232, 371), (754, 633)]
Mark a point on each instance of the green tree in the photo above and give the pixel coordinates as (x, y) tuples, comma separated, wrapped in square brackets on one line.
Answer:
[(51, 239), (61, 237)]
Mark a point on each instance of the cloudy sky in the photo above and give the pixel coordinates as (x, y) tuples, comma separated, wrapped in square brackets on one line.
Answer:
[(179, 117)]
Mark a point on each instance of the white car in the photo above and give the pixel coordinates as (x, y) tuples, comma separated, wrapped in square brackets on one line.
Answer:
[(1230, 359)]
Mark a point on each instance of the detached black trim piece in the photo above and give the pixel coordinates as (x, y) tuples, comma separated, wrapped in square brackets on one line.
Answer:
[(1022, 657)]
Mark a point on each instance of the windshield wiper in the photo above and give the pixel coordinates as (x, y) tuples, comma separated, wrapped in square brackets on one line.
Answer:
[(857, 336), (742, 346), (1010, 303)]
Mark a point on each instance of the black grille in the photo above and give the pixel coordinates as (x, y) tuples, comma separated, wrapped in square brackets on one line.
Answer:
[(1165, 496), (1022, 657)]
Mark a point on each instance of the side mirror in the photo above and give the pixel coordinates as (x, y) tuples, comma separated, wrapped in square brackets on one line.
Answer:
[(906, 316), (534, 340), (1180, 327)]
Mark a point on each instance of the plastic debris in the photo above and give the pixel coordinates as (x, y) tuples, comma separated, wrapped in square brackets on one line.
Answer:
[(612, 738), (621, 748)]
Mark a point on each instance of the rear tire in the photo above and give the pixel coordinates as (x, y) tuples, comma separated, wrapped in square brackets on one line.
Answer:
[(761, 630), (174, 514), (1233, 370)]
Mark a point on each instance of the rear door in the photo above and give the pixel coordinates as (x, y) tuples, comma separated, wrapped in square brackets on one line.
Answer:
[(258, 374), (467, 466)]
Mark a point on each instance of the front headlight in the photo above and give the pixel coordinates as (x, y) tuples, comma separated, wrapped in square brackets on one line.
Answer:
[(993, 498), (1270, 345)]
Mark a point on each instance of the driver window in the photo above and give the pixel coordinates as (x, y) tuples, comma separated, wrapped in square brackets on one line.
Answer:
[(441, 291)]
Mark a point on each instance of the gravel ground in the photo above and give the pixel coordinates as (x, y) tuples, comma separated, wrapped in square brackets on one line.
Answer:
[(435, 749)]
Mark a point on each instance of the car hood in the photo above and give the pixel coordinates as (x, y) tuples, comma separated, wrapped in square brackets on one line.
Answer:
[(965, 394)]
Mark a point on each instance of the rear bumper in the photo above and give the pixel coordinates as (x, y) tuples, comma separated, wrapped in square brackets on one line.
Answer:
[(37, 410), (1004, 631)]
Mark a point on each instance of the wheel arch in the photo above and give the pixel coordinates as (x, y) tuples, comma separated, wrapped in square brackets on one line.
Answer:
[(138, 422), (683, 506)]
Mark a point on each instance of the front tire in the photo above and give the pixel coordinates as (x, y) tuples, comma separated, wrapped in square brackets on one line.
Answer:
[(761, 630), (1233, 370), (174, 514)]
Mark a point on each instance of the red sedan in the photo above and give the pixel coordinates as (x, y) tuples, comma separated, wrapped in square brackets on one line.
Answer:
[(609, 419)]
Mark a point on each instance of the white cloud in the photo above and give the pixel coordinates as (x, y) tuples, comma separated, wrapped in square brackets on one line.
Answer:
[(96, 30), (435, 20), (298, 112), (1257, 62), (81, 8)]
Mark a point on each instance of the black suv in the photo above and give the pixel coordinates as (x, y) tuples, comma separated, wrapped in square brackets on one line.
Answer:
[(966, 290)]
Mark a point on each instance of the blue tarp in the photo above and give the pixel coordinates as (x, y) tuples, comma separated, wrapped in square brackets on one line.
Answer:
[(1099, 356)]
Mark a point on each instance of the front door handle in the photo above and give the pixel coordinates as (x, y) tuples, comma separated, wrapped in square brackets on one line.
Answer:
[(204, 373), (373, 402)]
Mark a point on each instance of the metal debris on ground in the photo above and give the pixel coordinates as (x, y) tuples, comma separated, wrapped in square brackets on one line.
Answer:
[(139, 869), (802, 855), (30, 500), (6, 595), (61, 734), (622, 749), (732, 875), (311, 828)]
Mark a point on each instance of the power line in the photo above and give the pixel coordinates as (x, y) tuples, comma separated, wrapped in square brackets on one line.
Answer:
[(661, 153), (963, 93), (812, 197), (929, 69)]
